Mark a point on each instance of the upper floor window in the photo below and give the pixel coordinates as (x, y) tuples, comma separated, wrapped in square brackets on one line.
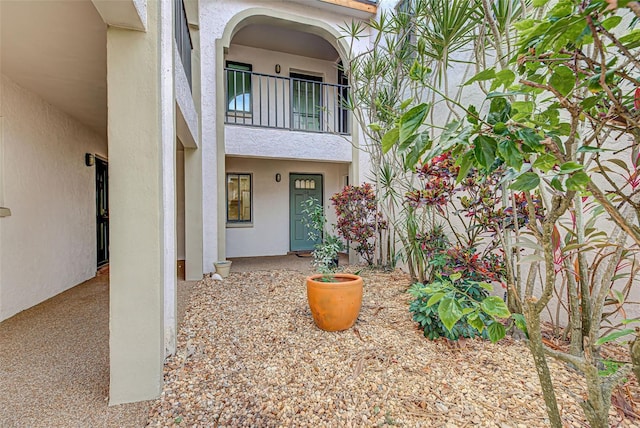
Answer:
[(182, 35), (238, 87), (238, 198), (405, 6), (406, 11)]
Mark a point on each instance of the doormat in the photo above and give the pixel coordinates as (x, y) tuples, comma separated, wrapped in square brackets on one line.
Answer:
[(104, 270), (306, 254)]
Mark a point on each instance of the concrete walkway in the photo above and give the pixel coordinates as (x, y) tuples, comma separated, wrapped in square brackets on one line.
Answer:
[(290, 262), (54, 357), (54, 363)]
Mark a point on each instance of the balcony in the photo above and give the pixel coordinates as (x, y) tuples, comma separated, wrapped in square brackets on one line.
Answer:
[(296, 103), (183, 38)]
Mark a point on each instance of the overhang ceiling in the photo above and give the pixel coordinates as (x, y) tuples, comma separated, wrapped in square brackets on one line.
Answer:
[(282, 39), (57, 49)]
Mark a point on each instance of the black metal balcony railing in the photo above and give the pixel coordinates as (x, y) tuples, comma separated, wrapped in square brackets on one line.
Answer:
[(183, 37), (255, 99)]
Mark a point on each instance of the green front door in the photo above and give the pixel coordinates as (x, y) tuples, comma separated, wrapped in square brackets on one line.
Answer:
[(301, 188)]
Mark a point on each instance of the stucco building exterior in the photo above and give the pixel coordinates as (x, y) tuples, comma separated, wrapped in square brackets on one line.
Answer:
[(150, 133)]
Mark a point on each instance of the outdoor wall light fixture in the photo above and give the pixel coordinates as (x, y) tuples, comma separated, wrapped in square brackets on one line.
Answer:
[(89, 159), (278, 178), (278, 69)]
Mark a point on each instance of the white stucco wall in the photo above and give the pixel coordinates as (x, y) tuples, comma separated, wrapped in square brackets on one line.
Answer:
[(49, 242), (186, 115), (211, 27), (172, 82), (269, 233), (275, 143)]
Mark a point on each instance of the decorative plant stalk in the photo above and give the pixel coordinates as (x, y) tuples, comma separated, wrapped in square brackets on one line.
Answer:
[(584, 307)]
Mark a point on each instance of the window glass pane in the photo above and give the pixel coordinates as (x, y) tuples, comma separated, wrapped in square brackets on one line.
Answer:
[(238, 198), (232, 197), (307, 101), (239, 87), (245, 198)]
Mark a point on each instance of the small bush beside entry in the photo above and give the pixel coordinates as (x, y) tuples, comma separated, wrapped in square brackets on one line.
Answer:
[(453, 307), (359, 221), (327, 249)]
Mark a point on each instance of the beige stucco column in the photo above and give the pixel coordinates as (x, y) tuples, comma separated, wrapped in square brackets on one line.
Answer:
[(221, 178), (193, 213), (137, 131), (168, 140), (193, 179)]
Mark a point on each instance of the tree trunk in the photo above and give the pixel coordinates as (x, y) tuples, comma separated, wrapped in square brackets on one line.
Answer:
[(537, 351), (596, 406), (634, 348), (576, 320), (582, 280)]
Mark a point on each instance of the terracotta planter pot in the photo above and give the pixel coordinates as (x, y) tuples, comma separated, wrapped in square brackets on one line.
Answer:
[(335, 305)]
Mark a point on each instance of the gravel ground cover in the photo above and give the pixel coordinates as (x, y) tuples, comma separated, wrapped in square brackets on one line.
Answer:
[(250, 356)]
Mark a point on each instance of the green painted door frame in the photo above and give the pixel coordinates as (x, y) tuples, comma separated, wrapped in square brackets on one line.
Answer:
[(301, 188)]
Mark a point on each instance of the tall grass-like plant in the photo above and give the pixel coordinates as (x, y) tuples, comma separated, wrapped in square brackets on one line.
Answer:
[(384, 80)]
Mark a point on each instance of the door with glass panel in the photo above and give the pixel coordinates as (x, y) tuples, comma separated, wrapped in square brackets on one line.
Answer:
[(306, 102), (301, 188)]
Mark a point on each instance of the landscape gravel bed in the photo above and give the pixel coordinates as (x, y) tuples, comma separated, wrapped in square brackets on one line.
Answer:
[(250, 356)]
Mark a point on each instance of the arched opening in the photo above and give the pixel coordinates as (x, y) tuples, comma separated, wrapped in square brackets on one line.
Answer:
[(283, 106)]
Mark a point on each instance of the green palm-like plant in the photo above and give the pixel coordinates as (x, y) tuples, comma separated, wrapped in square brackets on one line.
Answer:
[(506, 11), (450, 27)]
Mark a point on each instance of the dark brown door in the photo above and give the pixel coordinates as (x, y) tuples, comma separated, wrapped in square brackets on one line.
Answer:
[(102, 211)]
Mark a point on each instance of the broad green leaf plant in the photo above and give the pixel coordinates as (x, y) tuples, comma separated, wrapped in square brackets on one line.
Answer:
[(461, 306)]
